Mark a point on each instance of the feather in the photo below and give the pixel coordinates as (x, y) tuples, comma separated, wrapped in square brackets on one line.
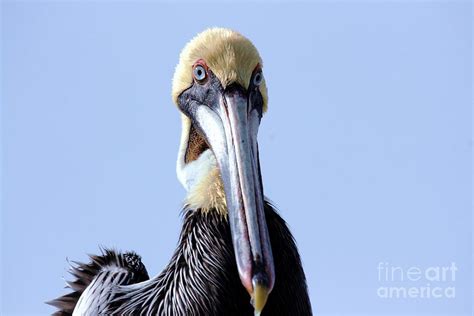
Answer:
[(98, 276)]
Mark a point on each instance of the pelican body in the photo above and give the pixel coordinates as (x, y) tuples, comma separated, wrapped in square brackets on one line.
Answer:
[(235, 255)]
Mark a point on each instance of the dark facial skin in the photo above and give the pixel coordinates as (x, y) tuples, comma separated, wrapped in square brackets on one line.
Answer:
[(209, 91)]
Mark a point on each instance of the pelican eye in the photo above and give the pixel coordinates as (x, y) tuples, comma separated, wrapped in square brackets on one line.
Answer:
[(258, 78), (199, 73)]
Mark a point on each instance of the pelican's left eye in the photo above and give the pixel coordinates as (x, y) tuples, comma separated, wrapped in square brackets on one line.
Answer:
[(258, 78), (199, 73)]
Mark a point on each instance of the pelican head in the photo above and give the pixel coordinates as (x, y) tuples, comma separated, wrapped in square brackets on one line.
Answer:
[(220, 89)]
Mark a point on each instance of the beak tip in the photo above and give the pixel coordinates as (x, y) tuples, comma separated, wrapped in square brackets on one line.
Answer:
[(259, 295)]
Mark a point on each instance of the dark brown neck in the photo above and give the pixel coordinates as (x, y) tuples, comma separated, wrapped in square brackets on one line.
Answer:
[(202, 277)]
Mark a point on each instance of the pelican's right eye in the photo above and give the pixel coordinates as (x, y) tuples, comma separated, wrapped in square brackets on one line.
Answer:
[(199, 73)]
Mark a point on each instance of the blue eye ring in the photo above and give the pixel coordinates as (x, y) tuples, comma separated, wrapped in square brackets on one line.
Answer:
[(258, 78), (199, 73)]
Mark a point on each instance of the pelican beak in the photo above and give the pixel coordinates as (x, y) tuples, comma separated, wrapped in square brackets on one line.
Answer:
[(230, 127)]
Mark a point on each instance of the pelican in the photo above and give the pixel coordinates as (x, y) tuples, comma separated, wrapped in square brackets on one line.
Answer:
[(235, 255)]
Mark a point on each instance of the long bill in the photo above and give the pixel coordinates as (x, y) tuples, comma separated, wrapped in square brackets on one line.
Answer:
[(231, 128)]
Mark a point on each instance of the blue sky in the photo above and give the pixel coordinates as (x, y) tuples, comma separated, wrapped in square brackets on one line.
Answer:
[(366, 148)]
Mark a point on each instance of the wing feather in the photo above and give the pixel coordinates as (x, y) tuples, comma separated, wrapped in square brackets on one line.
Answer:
[(95, 281)]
